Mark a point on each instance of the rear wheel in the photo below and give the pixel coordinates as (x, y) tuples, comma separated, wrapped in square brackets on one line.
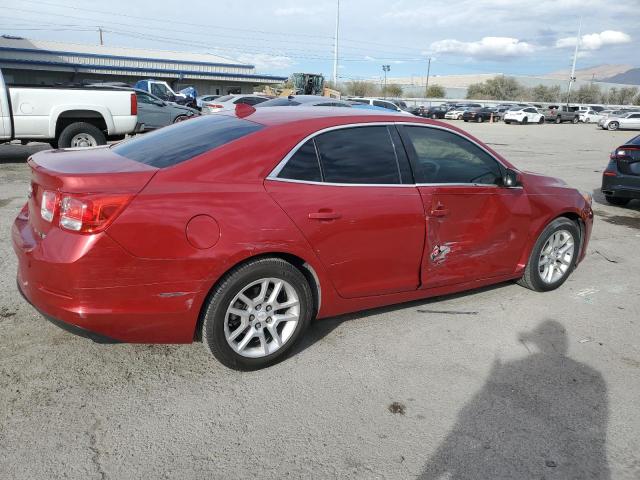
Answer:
[(81, 134), (576, 119), (613, 126), (459, 117), (507, 122), (480, 119), (621, 202), (558, 120), (525, 120), (553, 256), (541, 121), (434, 116), (256, 313), (180, 118)]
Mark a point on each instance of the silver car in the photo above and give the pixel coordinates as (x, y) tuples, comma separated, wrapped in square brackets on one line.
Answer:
[(229, 102), (628, 121), (156, 113)]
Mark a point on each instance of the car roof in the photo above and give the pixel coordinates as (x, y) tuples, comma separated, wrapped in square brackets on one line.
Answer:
[(285, 115)]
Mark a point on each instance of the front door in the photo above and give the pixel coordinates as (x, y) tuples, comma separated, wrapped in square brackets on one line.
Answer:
[(475, 227), (346, 192)]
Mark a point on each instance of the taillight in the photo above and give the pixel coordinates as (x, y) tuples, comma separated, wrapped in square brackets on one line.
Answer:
[(212, 105), (90, 213), (48, 205), (134, 104), (609, 173)]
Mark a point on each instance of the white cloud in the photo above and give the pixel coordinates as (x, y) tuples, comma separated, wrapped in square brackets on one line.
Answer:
[(262, 61), (595, 41), (487, 47)]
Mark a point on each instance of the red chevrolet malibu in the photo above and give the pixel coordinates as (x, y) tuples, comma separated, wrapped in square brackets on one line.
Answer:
[(240, 229)]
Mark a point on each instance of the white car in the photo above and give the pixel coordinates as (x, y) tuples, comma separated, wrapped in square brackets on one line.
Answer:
[(629, 121), (523, 116), (456, 113), (381, 103), (67, 116), (590, 116), (229, 102)]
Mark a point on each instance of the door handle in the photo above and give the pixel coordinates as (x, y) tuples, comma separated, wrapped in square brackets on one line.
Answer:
[(439, 212), (324, 216)]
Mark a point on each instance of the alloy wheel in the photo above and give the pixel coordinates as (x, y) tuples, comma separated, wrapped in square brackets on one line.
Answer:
[(556, 256), (262, 317)]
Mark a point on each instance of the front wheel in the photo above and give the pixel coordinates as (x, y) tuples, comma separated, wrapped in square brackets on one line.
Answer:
[(180, 118), (256, 314), (553, 257), (434, 116), (525, 120), (480, 119), (507, 122), (558, 120), (576, 120), (613, 126), (541, 121)]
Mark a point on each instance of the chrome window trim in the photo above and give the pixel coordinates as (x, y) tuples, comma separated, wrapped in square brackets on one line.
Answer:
[(278, 168)]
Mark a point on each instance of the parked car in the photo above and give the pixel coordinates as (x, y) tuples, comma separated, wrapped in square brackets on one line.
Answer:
[(66, 116), (561, 114), (589, 116), (480, 114), (206, 99), (228, 103), (523, 116), (456, 113), (240, 231), (621, 178), (156, 113), (435, 112), (379, 102), (625, 121), (305, 101)]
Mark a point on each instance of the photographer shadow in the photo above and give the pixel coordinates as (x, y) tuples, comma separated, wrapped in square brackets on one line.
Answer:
[(540, 417)]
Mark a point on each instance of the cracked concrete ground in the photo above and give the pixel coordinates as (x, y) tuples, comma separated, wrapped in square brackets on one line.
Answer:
[(500, 383)]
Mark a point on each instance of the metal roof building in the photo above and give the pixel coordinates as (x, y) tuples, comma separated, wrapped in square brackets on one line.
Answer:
[(26, 61)]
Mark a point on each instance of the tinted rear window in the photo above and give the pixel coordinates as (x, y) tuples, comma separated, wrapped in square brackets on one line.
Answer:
[(279, 102), (185, 140), (634, 141)]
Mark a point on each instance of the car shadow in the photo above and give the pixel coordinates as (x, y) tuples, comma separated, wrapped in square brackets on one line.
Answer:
[(625, 216), (541, 416), (319, 329), (16, 153)]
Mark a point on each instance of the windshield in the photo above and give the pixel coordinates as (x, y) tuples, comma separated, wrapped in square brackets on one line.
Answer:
[(225, 98)]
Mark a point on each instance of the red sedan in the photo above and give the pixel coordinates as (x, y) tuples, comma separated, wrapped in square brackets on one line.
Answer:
[(240, 229)]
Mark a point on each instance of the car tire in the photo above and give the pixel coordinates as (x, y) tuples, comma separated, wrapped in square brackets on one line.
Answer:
[(261, 349), (459, 117), (466, 121), (480, 119), (508, 122), (558, 120), (561, 228), (541, 121), (619, 201), (613, 126), (81, 134), (525, 120), (576, 120), (180, 118), (434, 116)]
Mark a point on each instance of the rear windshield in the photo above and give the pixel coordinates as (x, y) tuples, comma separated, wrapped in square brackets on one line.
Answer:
[(279, 102), (185, 140), (634, 141), (225, 98)]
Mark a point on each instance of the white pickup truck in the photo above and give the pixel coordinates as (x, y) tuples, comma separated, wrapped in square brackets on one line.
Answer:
[(66, 116)]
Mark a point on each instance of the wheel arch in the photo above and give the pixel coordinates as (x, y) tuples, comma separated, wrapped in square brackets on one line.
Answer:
[(308, 270), (570, 215)]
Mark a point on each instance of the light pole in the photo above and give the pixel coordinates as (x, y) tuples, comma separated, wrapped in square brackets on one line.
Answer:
[(385, 69), (426, 87), (335, 48)]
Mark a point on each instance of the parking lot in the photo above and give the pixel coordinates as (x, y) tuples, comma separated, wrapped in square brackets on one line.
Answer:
[(497, 383)]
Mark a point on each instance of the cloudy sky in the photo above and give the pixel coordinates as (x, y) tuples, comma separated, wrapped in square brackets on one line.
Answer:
[(462, 36)]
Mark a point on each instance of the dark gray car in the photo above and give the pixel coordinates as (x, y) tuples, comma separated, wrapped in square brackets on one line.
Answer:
[(304, 100), (156, 113)]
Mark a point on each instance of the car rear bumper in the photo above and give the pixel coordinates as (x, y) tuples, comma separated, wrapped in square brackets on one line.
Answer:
[(89, 285), (623, 186)]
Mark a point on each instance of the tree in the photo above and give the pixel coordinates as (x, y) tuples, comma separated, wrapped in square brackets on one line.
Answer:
[(436, 91), (392, 90), (361, 88), (626, 95), (542, 93), (497, 88), (589, 93)]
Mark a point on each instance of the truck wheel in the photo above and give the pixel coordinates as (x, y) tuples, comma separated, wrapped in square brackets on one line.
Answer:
[(576, 119), (81, 134), (480, 119), (558, 120)]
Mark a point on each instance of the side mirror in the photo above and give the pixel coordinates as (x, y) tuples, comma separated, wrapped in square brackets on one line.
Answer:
[(511, 179)]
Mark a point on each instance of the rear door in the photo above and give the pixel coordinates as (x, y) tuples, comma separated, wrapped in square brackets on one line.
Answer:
[(351, 194), (475, 227)]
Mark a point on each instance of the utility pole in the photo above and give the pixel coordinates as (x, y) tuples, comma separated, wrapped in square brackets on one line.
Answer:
[(100, 31), (426, 87), (385, 69), (335, 48), (572, 78)]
